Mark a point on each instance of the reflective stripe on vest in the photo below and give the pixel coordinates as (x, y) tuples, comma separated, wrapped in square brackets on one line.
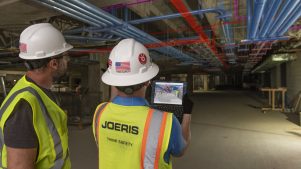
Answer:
[(59, 161), (152, 137), (97, 120), (1, 144)]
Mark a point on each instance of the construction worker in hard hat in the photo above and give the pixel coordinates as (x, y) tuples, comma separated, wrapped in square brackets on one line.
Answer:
[(130, 134), (33, 127)]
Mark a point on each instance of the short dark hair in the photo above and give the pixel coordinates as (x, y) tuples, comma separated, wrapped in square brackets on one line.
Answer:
[(130, 89), (39, 63)]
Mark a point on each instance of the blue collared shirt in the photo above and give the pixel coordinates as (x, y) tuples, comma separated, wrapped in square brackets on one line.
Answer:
[(176, 141)]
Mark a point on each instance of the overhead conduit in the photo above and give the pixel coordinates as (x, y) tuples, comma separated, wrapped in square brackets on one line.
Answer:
[(173, 42), (94, 16), (276, 19), (221, 14), (180, 6)]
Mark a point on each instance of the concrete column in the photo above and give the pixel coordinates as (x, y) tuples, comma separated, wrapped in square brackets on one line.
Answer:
[(205, 82), (93, 97), (190, 82), (104, 89), (278, 76)]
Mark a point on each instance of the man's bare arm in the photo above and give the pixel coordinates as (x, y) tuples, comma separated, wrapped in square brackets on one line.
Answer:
[(21, 158)]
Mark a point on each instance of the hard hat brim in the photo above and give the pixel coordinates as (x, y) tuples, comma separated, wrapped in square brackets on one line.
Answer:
[(115, 80), (30, 57)]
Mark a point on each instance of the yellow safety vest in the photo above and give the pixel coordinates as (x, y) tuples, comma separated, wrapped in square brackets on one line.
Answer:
[(49, 122), (131, 137)]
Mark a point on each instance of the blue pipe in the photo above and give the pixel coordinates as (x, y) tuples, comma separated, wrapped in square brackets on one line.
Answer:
[(113, 19), (285, 12), (88, 38), (103, 21), (60, 7), (267, 21), (130, 29), (265, 39), (101, 13), (80, 14), (167, 50), (66, 13), (290, 21), (225, 33), (222, 14), (230, 33), (265, 9), (68, 9), (250, 14), (258, 9)]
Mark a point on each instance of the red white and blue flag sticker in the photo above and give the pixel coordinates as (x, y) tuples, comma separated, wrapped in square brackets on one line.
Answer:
[(122, 67), (23, 47)]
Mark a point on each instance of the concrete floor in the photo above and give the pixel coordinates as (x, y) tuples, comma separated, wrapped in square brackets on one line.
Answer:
[(228, 132)]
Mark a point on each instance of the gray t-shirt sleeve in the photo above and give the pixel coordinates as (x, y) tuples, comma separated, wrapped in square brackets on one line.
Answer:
[(18, 129)]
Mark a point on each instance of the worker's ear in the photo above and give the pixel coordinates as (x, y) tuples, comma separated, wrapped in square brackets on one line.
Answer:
[(146, 84), (53, 63)]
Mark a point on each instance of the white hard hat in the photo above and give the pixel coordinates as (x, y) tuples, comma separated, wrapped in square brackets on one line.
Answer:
[(129, 64), (42, 41)]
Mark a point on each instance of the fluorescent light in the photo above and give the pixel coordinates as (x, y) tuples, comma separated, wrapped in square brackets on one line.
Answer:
[(283, 57)]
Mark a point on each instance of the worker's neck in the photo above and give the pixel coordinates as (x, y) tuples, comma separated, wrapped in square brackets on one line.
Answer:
[(139, 93), (41, 78)]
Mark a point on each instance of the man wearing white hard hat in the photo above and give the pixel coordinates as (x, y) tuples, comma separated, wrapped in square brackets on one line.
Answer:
[(129, 133), (34, 127)]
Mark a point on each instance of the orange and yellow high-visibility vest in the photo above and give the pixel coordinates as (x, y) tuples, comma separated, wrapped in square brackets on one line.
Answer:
[(131, 137)]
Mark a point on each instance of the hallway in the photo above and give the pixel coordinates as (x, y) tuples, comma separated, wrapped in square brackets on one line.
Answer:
[(228, 132)]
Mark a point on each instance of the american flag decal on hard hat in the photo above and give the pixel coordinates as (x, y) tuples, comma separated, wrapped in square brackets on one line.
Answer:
[(23, 47), (122, 67)]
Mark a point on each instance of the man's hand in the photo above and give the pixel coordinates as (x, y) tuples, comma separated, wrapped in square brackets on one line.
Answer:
[(186, 133), (187, 104)]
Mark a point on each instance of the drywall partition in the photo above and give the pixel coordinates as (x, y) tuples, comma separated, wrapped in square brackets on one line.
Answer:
[(275, 77), (293, 75)]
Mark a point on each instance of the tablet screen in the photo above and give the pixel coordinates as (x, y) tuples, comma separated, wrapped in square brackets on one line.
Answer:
[(168, 92)]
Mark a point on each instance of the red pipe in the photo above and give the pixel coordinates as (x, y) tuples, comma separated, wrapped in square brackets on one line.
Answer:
[(180, 6), (174, 43), (149, 45)]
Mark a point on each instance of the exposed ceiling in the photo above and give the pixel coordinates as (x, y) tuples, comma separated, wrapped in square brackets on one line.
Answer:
[(182, 35)]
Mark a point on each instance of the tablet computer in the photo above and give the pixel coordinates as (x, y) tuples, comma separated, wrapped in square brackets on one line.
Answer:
[(168, 92), (168, 96)]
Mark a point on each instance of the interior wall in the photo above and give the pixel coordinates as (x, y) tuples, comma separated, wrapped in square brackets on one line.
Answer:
[(293, 75), (104, 89), (276, 77), (94, 93)]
